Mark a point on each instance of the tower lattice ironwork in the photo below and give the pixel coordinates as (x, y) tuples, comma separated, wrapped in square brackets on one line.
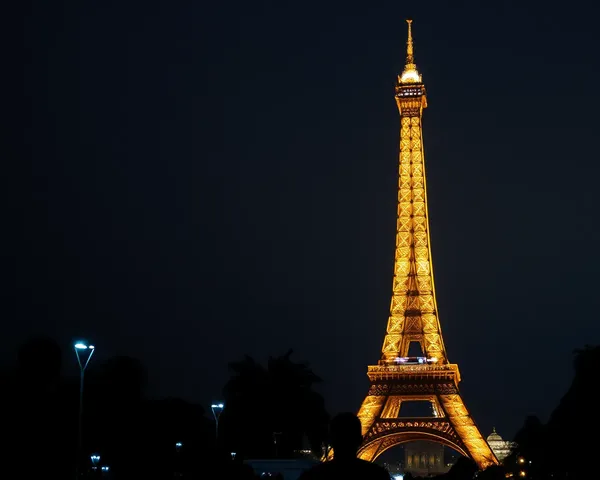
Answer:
[(399, 378)]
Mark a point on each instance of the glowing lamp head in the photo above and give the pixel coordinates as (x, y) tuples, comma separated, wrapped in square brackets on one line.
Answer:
[(410, 75), (81, 346)]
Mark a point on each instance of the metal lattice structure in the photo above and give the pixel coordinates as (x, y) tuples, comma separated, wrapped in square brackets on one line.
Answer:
[(414, 316)]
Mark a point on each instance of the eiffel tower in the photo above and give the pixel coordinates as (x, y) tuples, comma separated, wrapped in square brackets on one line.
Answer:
[(413, 322)]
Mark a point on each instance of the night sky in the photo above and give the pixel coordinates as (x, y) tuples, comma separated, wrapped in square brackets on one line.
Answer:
[(190, 182)]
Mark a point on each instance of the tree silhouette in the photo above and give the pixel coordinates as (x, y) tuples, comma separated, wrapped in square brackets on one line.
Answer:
[(269, 411), (572, 425), (34, 417), (565, 447)]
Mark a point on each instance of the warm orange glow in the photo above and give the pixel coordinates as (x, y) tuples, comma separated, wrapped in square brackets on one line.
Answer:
[(414, 315), (522, 473), (410, 75), (521, 460)]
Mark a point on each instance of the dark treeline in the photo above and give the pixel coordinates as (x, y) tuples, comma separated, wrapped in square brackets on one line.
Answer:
[(136, 436)]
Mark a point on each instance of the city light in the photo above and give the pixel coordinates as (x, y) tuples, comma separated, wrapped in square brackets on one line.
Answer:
[(178, 445), (521, 460), (522, 473), (217, 409), (80, 346), (105, 469), (399, 477)]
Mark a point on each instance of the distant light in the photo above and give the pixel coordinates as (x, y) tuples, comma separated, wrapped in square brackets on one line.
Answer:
[(521, 460), (220, 405), (178, 444), (95, 458), (233, 454), (105, 469), (92, 347), (80, 346), (433, 359), (399, 477), (216, 405), (522, 473)]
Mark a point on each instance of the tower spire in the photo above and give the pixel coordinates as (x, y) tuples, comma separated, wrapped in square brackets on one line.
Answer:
[(409, 45), (410, 73)]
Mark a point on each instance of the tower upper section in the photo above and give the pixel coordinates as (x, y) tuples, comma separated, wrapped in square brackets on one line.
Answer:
[(413, 312), (410, 91)]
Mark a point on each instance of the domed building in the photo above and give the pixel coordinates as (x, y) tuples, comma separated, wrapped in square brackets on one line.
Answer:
[(501, 448)]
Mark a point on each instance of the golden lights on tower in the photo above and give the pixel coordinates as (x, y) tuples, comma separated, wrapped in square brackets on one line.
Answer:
[(399, 377)]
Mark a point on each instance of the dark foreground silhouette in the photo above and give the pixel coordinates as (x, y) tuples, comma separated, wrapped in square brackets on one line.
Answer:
[(346, 437)]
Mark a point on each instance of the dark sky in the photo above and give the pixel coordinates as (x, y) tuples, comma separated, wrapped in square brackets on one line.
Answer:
[(193, 182)]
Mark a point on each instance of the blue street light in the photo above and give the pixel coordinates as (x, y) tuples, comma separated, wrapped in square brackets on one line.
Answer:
[(81, 347), (217, 409)]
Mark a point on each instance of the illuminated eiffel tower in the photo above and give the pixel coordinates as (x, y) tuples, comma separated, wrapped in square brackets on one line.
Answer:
[(400, 379)]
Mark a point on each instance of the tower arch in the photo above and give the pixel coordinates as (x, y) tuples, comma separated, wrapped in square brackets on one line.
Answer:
[(373, 448)]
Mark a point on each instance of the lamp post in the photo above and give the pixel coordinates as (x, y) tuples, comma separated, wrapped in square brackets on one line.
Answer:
[(95, 458), (81, 347), (275, 437), (217, 409), (178, 446)]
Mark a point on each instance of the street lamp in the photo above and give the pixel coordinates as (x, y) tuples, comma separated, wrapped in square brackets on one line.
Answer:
[(95, 458), (217, 409), (80, 348)]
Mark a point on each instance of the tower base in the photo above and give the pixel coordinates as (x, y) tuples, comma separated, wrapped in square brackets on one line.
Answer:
[(450, 423)]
